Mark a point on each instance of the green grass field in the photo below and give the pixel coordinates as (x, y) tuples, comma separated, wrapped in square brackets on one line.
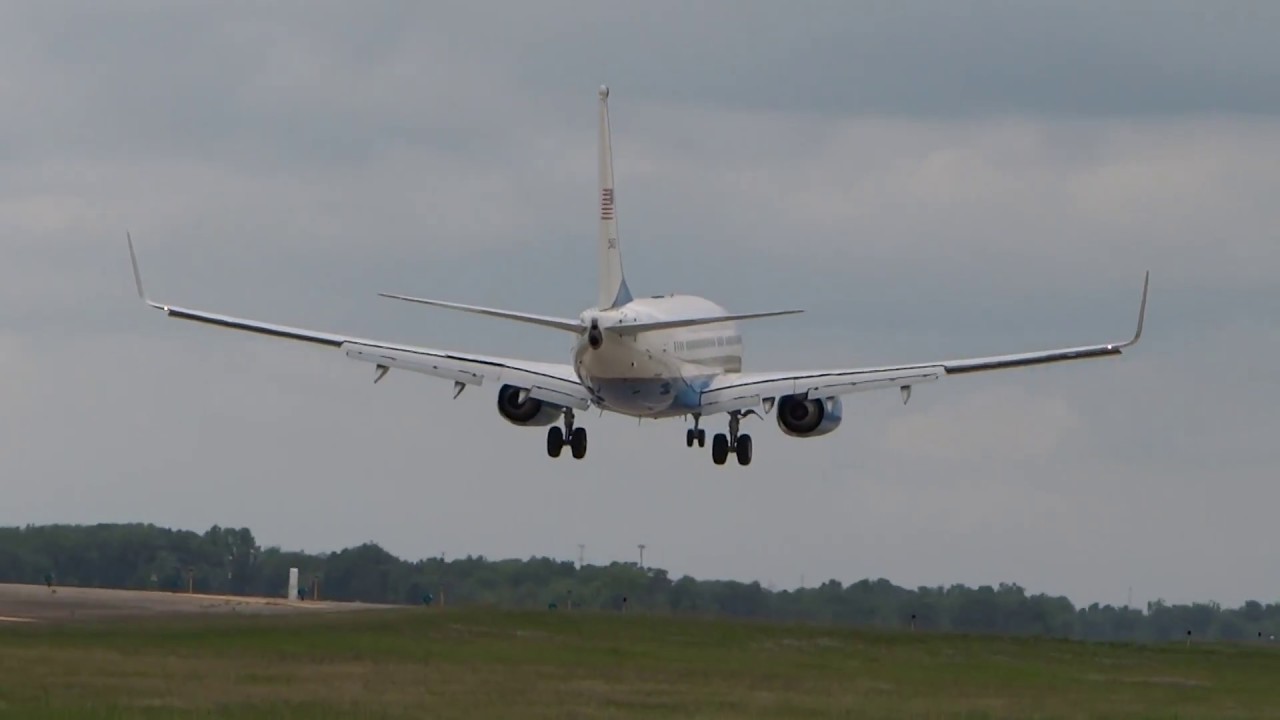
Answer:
[(470, 663)]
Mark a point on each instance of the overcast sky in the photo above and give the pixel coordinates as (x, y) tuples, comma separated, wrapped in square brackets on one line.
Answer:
[(928, 180)]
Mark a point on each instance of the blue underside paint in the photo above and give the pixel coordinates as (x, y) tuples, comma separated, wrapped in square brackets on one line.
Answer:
[(652, 396)]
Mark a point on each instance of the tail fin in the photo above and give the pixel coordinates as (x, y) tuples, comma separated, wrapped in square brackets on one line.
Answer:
[(613, 290)]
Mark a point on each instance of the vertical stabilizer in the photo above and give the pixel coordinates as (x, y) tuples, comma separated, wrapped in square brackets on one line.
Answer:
[(613, 285)]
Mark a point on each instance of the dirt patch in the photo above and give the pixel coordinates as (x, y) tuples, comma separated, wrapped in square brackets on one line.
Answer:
[(25, 603)]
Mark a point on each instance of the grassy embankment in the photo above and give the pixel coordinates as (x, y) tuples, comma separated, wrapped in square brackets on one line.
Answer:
[(467, 663)]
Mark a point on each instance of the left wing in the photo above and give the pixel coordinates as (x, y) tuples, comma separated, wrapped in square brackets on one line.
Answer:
[(738, 391), (551, 382)]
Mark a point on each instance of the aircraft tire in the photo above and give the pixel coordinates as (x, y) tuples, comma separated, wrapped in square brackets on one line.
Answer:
[(578, 443), (555, 441), (744, 449), (719, 448)]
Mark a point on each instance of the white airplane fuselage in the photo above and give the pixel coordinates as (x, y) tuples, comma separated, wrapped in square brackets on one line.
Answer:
[(658, 373)]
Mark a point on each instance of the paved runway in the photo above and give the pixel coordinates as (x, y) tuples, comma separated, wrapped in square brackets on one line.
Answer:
[(35, 603)]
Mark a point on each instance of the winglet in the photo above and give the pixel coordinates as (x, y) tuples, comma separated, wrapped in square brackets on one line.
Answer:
[(1142, 312), (137, 275)]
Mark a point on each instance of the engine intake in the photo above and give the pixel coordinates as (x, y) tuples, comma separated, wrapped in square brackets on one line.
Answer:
[(801, 417), (529, 412)]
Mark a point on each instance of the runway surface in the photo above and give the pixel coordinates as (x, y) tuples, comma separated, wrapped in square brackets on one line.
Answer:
[(36, 603)]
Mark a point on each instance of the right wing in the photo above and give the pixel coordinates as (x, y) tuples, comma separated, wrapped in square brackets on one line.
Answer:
[(739, 391), (551, 382)]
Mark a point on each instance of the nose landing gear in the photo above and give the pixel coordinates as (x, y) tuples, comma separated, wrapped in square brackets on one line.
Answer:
[(695, 434)]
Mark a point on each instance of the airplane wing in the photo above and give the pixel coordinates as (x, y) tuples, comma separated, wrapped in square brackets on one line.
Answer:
[(551, 382), (739, 391)]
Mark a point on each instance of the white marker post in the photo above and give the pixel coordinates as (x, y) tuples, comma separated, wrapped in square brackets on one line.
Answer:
[(293, 583)]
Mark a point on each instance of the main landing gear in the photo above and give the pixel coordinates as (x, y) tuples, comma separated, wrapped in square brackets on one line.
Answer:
[(695, 434), (721, 444), (575, 438)]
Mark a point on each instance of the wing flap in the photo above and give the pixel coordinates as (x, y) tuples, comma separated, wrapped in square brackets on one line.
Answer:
[(728, 402), (434, 365), (741, 390), (575, 399), (545, 381)]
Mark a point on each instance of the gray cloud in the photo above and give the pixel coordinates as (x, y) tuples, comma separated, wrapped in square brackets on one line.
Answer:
[(972, 179), (329, 84), (936, 59)]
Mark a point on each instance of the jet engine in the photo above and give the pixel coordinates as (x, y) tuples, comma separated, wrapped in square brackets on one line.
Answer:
[(529, 412), (799, 417)]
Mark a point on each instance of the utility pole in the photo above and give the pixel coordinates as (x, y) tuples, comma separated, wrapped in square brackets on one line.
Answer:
[(581, 554), (641, 546)]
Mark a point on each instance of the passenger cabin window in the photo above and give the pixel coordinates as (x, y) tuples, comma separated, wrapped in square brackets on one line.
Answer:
[(711, 342)]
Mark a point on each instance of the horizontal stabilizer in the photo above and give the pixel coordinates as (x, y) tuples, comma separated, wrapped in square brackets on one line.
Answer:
[(637, 328), (570, 325)]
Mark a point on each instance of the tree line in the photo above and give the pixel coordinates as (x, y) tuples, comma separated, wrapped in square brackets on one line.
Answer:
[(230, 561)]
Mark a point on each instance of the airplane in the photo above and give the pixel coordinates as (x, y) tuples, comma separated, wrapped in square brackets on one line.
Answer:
[(646, 357)]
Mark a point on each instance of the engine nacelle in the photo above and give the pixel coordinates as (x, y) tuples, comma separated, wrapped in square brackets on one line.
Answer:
[(799, 417), (531, 412)]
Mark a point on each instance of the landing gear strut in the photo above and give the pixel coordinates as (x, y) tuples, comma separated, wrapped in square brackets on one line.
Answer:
[(740, 444), (695, 434), (575, 438)]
